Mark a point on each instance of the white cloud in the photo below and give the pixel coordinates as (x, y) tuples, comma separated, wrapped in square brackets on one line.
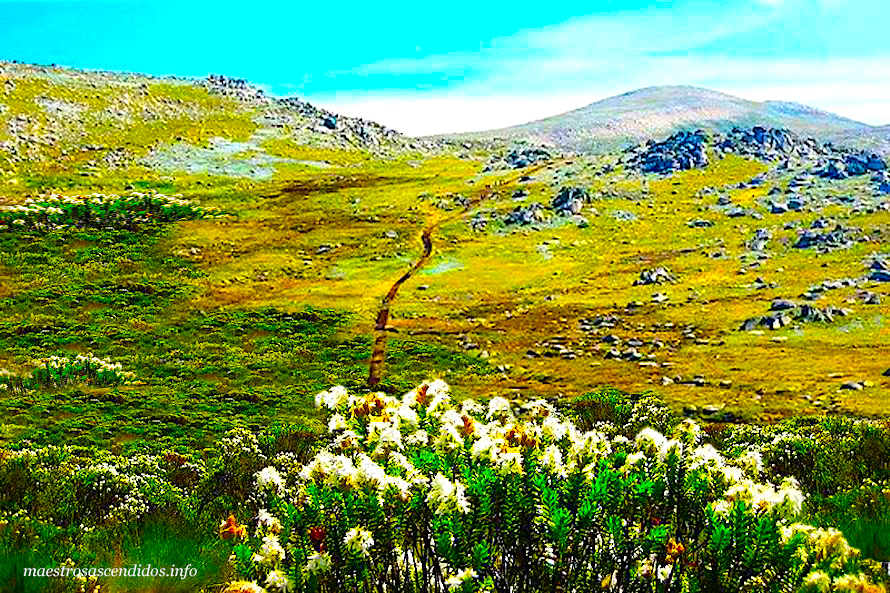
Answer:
[(426, 114), (857, 89), (538, 73)]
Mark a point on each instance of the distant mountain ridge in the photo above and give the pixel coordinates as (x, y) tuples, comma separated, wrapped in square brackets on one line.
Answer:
[(658, 111)]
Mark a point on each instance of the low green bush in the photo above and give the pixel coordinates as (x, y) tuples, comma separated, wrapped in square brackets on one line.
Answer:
[(99, 211)]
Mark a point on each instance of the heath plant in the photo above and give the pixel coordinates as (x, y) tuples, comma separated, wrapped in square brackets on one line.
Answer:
[(54, 372), (99, 211), (423, 493)]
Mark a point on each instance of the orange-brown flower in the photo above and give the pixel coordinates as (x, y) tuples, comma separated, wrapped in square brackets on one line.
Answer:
[(514, 436), (468, 426), (674, 550), (528, 442), (230, 528), (422, 397), (316, 536), (376, 405)]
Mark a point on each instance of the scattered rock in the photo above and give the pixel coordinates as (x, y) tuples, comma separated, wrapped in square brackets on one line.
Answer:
[(623, 215), (838, 238), (519, 158), (659, 275), (699, 223), (712, 409), (680, 152), (782, 305), (570, 200), (760, 240), (525, 215)]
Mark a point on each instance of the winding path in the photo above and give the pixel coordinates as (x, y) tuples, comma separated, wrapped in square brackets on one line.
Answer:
[(378, 356)]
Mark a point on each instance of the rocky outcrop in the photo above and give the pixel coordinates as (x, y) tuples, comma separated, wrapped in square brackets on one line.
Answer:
[(689, 150), (837, 238), (525, 215), (843, 164), (879, 271), (682, 151), (519, 158), (767, 144), (570, 200), (882, 182), (659, 275), (783, 316), (237, 88)]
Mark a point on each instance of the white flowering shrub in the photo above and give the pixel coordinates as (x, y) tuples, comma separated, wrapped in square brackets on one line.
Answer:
[(614, 411), (54, 212), (60, 371), (422, 493), (827, 454)]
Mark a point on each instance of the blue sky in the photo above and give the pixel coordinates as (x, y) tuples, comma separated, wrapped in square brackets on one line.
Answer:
[(465, 65)]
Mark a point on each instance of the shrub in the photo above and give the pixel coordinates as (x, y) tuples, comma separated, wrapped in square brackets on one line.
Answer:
[(420, 493), (54, 212), (629, 413), (55, 371)]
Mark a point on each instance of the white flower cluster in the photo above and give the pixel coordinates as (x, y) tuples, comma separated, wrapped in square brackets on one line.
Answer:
[(115, 490), (56, 211), (239, 443), (379, 443), (81, 362)]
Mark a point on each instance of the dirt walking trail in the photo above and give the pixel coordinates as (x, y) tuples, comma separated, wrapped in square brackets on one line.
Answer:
[(378, 356)]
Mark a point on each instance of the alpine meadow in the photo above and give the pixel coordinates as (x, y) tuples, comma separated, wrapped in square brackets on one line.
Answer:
[(248, 344)]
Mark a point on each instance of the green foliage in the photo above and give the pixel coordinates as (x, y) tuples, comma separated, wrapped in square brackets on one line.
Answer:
[(97, 211), (422, 494), (629, 413)]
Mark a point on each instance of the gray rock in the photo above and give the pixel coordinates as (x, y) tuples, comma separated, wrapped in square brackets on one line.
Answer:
[(570, 200), (623, 215), (682, 151), (775, 321), (852, 386), (525, 215), (659, 275), (712, 409), (782, 305), (750, 324), (760, 240), (632, 355), (699, 223)]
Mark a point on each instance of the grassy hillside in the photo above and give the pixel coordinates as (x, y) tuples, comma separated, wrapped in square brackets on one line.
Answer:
[(508, 297), (265, 287)]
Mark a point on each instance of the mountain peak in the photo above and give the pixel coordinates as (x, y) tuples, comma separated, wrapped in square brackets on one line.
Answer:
[(656, 111)]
